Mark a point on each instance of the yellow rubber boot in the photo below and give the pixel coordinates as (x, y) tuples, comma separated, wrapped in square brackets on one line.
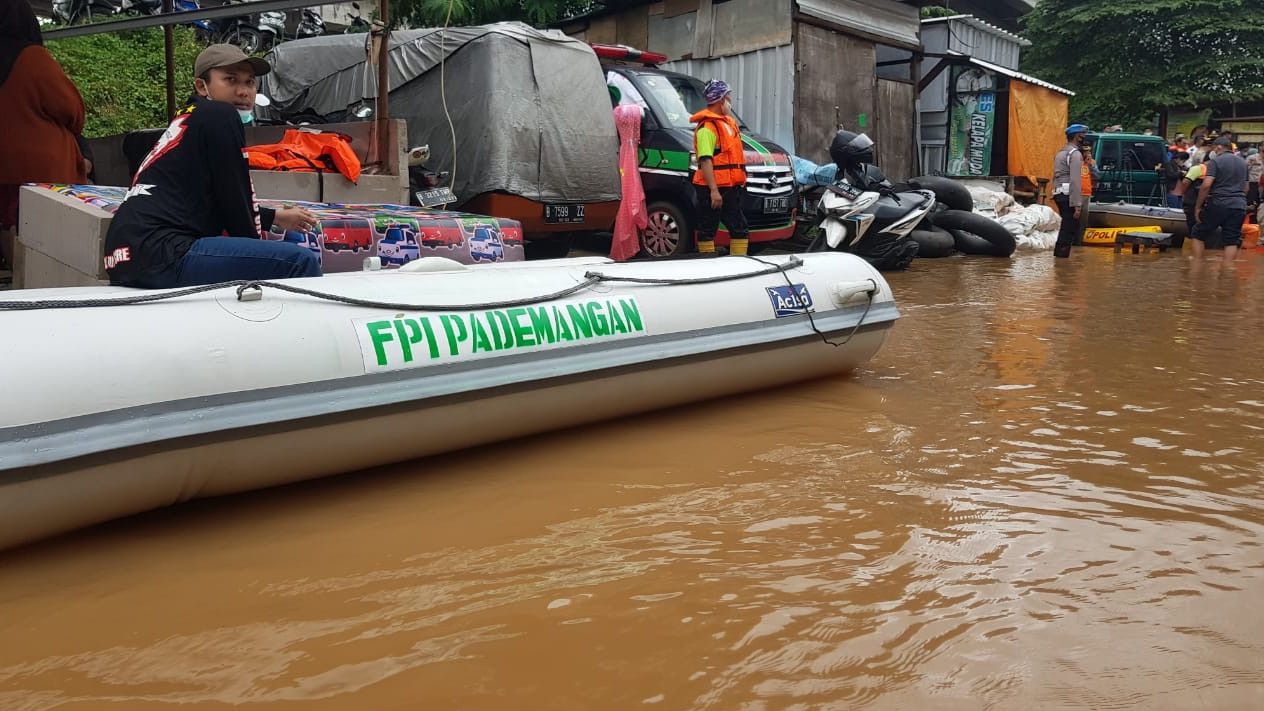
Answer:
[(737, 246), (706, 246)]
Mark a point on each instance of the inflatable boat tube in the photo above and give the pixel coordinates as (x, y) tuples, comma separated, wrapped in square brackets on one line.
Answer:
[(932, 241), (223, 391), (948, 191), (996, 240)]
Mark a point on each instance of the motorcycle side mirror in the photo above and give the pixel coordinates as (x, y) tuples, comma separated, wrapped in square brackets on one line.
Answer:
[(262, 100)]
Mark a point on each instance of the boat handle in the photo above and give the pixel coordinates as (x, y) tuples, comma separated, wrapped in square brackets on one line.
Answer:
[(845, 291)]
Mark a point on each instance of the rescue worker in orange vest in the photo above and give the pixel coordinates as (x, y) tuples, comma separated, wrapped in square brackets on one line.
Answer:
[(1089, 175), (720, 180)]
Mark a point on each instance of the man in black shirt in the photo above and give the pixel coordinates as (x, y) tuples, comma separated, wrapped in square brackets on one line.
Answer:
[(1222, 200), (190, 217)]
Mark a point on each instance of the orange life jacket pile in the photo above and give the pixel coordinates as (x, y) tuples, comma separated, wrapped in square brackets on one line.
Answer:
[(307, 152)]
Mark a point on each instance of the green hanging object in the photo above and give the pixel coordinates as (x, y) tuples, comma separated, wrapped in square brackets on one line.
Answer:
[(862, 120)]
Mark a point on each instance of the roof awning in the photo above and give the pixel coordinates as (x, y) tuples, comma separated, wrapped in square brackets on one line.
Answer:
[(1010, 73), (890, 23)]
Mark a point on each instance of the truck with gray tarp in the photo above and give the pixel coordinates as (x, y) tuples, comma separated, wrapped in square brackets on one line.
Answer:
[(528, 131)]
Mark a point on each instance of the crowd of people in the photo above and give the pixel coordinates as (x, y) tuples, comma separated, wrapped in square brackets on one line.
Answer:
[(1217, 183)]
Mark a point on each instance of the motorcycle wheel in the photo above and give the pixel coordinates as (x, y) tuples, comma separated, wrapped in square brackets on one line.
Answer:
[(248, 39)]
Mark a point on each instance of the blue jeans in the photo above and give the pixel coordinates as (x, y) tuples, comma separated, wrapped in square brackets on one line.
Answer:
[(215, 259)]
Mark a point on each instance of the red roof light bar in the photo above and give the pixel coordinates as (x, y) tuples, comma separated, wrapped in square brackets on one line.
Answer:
[(628, 54)]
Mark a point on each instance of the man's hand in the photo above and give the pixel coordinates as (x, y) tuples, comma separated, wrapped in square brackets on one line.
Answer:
[(717, 200), (294, 218)]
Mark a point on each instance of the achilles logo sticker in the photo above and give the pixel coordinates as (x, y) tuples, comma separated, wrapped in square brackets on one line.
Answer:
[(789, 300)]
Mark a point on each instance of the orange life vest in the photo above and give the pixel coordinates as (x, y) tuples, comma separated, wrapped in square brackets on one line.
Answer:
[(729, 161), (1086, 179), (304, 151)]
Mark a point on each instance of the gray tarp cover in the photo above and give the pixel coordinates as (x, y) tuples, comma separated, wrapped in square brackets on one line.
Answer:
[(530, 108)]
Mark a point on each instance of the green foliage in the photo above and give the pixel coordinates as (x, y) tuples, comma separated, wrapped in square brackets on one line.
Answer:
[(122, 76), (1128, 59), (434, 13), (929, 11)]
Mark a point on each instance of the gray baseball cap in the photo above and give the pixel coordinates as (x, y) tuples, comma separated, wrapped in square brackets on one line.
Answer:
[(218, 56)]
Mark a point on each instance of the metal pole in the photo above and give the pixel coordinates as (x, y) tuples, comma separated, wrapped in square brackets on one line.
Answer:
[(383, 110), (169, 43)]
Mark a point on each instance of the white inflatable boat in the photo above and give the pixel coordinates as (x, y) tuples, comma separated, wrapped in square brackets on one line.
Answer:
[(117, 409), (1112, 214)]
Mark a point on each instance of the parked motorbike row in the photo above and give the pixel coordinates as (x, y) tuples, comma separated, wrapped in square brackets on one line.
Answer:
[(852, 207), (254, 33)]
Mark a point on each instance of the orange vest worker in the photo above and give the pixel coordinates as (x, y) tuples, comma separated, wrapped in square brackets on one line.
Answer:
[(729, 162)]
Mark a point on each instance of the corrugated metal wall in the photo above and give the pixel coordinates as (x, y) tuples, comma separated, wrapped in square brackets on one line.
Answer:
[(763, 88), (967, 39)]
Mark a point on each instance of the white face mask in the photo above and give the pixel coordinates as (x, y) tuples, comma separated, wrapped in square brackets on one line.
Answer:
[(246, 116)]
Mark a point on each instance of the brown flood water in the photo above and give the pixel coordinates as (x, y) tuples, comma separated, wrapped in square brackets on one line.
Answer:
[(1046, 492)]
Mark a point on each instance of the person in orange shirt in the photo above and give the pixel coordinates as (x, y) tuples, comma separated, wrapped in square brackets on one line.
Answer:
[(43, 116)]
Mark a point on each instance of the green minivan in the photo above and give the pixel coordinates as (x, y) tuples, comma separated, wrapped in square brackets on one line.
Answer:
[(1131, 165)]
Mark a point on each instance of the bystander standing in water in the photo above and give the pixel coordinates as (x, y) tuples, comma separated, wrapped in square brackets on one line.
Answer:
[(1221, 200), (1068, 166), (1255, 170)]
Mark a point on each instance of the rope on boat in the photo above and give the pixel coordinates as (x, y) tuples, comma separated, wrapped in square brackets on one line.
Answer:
[(242, 286), (872, 292)]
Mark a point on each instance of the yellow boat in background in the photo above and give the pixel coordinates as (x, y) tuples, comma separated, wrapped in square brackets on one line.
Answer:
[(1105, 236)]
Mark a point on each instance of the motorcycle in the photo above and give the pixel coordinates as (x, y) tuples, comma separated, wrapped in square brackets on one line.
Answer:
[(70, 12), (205, 29), (426, 187), (141, 7), (863, 213), (358, 24), (273, 27), (310, 24), (252, 33)]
